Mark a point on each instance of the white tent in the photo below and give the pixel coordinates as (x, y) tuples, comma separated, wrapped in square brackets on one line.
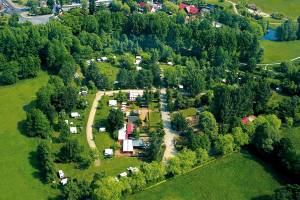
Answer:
[(75, 114), (73, 129), (61, 174), (112, 103)]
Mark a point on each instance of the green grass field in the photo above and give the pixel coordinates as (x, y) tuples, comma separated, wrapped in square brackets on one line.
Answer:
[(290, 8), (188, 112), (294, 135), (280, 51), (237, 177), (19, 176), (154, 119), (110, 71)]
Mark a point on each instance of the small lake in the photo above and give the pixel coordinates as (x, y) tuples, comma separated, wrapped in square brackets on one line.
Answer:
[(270, 35)]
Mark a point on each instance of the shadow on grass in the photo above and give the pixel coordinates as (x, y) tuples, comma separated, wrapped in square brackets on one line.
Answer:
[(35, 164), (267, 167), (263, 197), (21, 124)]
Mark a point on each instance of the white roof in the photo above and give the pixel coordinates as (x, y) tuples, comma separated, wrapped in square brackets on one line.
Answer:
[(138, 68), (102, 129), (169, 63), (123, 174), (127, 146), (112, 102), (64, 181), (61, 173), (122, 133), (108, 152), (180, 86), (124, 103), (73, 129), (138, 57), (75, 114), (133, 94)]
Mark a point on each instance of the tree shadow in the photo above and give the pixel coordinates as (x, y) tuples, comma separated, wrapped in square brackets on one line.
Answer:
[(262, 197), (32, 157), (267, 167), (22, 124)]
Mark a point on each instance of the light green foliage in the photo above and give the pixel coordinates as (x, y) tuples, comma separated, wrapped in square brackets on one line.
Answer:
[(224, 144), (153, 172), (202, 155), (240, 138), (182, 163), (108, 189), (207, 123)]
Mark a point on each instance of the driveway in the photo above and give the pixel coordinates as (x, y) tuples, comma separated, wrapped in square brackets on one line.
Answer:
[(170, 134)]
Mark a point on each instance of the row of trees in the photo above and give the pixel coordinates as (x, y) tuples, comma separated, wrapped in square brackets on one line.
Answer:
[(289, 30)]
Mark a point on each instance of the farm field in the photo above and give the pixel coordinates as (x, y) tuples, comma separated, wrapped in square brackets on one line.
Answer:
[(275, 51), (290, 8), (237, 177), (18, 172)]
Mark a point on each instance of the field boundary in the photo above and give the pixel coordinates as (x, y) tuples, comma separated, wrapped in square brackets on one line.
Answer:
[(193, 169)]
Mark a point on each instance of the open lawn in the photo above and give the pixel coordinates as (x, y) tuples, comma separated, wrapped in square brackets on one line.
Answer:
[(108, 70), (294, 135), (237, 177), (290, 8), (188, 112), (18, 172), (275, 51), (154, 119)]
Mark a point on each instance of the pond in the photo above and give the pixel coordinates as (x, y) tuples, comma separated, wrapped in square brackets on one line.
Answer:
[(270, 35)]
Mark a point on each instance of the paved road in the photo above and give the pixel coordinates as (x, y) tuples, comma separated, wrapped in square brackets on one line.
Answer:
[(90, 122), (170, 134)]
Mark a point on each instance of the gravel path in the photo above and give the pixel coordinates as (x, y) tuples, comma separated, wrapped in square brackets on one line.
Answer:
[(170, 134)]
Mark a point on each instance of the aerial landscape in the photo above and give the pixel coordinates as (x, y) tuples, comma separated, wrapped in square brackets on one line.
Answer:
[(150, 100)]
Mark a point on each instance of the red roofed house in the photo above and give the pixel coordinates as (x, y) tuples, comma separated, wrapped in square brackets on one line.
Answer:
[(183, 6), (192, 10), (142, 4), (248, 119), (130, 128)]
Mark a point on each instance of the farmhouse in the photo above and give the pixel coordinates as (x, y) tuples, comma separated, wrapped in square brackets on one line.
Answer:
[(127, 146), (73, 129), (112, 103), (75, 114), (190, 9)]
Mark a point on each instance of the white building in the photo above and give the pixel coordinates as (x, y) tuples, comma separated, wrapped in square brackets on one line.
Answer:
[(133, 95), (112, 103), (123, 174), (170, 63), (138, 60), (127, 146), (75, 114), (122, 133), (73, 129)]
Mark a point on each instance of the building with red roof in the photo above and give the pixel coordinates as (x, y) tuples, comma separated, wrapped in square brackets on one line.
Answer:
[(248, 119), (142, 4), (130, 128), (192, 10), (183, 6)]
